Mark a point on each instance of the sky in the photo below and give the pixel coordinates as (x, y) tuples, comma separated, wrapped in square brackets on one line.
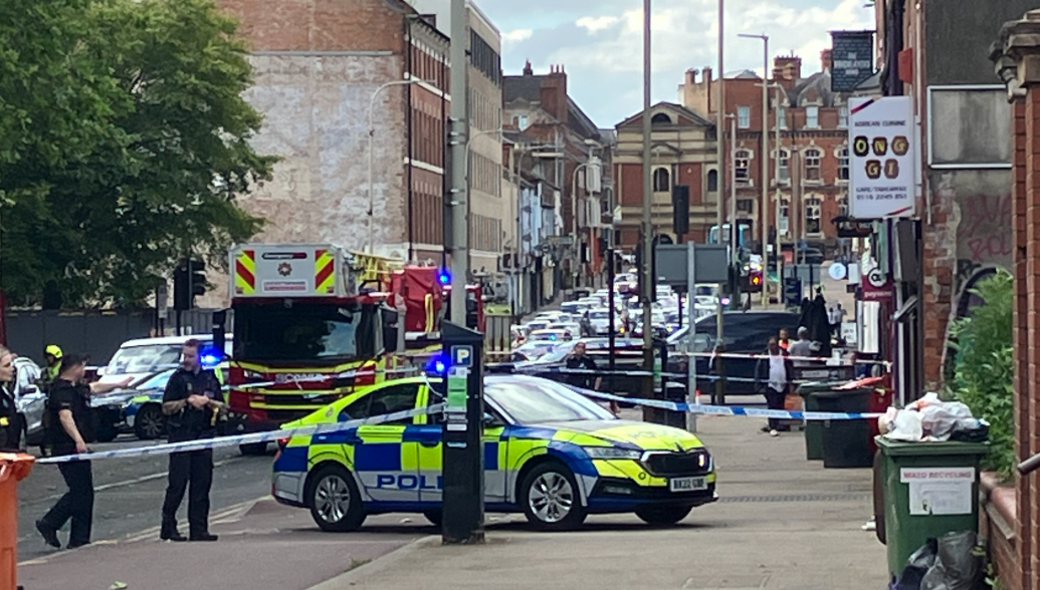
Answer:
[(600, 42)]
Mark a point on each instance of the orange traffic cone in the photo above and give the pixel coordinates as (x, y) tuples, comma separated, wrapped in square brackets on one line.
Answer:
[(14, 467)]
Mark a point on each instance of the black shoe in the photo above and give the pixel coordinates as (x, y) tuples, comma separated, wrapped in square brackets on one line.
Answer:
[(172, 535), (77, 544), (50, 534), (203, 537)]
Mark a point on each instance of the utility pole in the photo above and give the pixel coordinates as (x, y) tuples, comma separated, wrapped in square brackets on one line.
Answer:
[(648, 226), (463, 457), (720, 152), (763, 208), (776, 221)]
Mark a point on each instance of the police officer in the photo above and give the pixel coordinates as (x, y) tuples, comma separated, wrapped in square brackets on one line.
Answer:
[(52, 360), (191, 404), (9, 424), (67, 423)]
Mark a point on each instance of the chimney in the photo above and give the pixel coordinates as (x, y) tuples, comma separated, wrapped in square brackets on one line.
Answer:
[(553, 95), (787, 70), (825, 60), (527, 69)]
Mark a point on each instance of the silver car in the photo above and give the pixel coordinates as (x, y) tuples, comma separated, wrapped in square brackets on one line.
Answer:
[(29, 400)]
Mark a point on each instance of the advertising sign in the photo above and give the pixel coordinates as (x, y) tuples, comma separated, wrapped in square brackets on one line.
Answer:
[(881, 157), (852, 60)]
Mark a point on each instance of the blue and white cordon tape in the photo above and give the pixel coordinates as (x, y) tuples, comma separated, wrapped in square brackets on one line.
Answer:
[(728, 410), (241, 439)]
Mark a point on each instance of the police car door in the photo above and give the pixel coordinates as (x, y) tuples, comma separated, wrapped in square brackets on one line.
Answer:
[(384, 463), (428, 434)]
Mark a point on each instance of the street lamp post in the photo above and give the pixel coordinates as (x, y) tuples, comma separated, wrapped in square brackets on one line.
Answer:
[(371, 134), (764, 204), (720, 151), (648, 225), (776, 246)]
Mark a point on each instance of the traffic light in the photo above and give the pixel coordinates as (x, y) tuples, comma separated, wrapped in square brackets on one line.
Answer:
[(681, 209), (189, 281)]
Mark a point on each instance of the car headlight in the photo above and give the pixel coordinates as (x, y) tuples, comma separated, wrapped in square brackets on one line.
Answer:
[(612, 453)]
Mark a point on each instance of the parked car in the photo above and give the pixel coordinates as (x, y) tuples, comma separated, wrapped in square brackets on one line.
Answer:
[(143, 357), (30, 400), (120, 411)]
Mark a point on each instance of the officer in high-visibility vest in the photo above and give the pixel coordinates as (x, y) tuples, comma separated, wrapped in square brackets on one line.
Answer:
[(52, 359)]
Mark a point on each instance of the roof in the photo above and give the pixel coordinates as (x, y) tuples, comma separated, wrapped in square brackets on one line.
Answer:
[(742, 75), (678, 108), (529, 88)]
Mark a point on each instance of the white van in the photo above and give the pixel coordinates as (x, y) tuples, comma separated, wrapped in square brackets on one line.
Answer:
[(144, 357)]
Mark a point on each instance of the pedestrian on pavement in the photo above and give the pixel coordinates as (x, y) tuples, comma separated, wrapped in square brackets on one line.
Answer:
[(579, 360), (801, 349), (52, 362), (837, 316), (191, 403), (68, 429), (773, 375), (10, 430)]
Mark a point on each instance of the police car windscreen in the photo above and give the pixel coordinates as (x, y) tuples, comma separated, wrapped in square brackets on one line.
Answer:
[(534, 401), (316, 332)]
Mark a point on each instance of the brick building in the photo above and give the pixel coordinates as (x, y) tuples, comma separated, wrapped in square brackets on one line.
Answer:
[(813, 176), (683, 153), (540, 107)]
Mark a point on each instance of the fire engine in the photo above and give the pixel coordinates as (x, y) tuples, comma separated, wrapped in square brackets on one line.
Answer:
[(314, 321)]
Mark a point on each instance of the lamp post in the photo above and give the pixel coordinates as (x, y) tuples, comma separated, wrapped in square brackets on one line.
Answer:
[(776, 221), (371, 134), (720, 151), (648, 225), (763, 206)]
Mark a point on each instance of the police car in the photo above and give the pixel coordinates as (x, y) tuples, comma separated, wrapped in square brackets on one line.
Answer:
[(549, 452)]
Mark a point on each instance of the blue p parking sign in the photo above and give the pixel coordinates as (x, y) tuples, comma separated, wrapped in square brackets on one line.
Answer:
[(462, 356)]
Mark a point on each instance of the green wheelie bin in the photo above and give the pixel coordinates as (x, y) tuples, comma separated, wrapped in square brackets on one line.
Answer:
[(929, 489), (814, 428), (846, 443)]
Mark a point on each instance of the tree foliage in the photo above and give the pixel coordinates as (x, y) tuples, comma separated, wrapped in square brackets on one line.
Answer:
[(984, 367), (124, 139)]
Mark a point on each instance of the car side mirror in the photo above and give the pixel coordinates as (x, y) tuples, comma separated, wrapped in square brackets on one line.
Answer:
[(491, 420)]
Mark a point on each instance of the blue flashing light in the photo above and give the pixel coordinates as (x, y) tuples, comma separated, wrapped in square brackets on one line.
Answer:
[(444, 277), (210, 357), (438, 365)]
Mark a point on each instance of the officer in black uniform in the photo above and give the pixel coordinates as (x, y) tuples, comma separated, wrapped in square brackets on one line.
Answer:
[(9, 425), (191, 404), (67, 424)]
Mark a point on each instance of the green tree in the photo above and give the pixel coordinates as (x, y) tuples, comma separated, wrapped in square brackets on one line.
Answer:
[(984, 367), (141, 162)]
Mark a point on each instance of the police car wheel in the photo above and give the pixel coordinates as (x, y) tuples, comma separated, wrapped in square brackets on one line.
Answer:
[(149, 423), (550, 498), (662, 515), (334, 500)]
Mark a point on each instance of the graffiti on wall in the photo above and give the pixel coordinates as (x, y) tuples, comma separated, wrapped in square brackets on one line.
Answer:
[(984, 243)]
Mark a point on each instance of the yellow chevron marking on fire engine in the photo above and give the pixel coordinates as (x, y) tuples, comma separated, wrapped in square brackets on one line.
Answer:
[(245, 272), (324, 272)]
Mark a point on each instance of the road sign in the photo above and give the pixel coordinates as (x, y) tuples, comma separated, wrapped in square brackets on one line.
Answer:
[(711, 264), (461, 356), (881, 156)]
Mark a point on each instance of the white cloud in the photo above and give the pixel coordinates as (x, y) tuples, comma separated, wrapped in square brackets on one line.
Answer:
[(602, 52), (517, 35), (596, 23)]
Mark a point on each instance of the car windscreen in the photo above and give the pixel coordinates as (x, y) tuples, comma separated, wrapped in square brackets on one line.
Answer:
[(534, 401), (599, 314), (155, 381), (320, 332), (144, 358)]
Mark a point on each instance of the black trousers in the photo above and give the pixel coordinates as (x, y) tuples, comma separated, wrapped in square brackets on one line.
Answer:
[(77, 503), (196, 467), (774, 401)]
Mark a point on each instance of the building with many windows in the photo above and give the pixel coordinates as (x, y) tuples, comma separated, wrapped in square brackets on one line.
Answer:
[(812, 181)]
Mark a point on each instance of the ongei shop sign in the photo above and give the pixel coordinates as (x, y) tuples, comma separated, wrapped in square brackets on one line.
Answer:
[(881, 157)]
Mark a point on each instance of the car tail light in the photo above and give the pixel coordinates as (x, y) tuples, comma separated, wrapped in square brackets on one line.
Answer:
[(282, 442)]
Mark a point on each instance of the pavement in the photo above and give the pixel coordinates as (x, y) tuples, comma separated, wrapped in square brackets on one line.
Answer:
[(781, 523)]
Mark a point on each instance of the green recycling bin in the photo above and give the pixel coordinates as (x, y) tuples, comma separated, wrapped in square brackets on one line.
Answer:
[(814, 428), (929, 489)]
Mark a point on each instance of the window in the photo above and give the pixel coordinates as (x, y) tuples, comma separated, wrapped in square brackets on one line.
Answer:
[(745, 205), (743, 117), (843, 163), (785, 216), (784, 174), (319, 333), (812, 164), (843, 205), (660, 119), (812, 215), (812, 117), (742, 165), (394, 398), (781, 116), (713, 180), (521, 122), (662, 182), (843, 116)]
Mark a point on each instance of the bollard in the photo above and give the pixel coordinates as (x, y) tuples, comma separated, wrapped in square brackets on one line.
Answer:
[(14, 467)]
